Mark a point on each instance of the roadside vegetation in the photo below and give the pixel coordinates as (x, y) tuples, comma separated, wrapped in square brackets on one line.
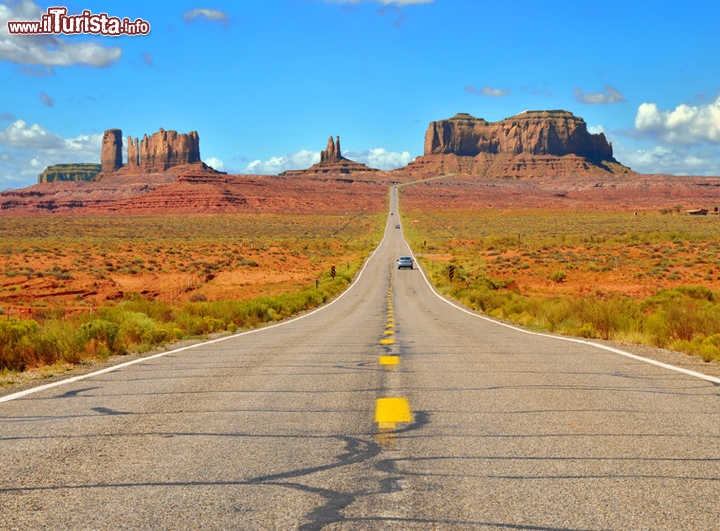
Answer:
[(650, 279), (274, 263)]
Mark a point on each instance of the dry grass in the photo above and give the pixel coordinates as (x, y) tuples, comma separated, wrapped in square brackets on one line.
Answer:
[(652, 279)]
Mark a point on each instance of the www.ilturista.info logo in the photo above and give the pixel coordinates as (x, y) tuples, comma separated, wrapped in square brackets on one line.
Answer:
[(57, 21)]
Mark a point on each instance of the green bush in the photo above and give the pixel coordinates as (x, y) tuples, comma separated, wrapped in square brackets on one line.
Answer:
[(558, 276)]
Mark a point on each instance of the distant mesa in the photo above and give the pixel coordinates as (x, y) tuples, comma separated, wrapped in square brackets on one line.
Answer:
[(153, 154), (533, 143), (69, 172), (332, 161)]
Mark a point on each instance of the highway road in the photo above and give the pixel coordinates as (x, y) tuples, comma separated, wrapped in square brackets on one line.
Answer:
[(289, 428)]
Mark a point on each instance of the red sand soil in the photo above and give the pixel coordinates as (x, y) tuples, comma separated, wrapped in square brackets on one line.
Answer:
[(188, 191)]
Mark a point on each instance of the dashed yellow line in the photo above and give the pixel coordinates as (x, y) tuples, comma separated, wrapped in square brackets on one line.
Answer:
[(390, 411), (387, 341), (389, 360)]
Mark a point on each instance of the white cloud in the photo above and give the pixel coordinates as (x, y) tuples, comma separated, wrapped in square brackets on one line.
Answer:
[(685, 125), (19, 135), (487, 91), (381, 158), (215, 163), (673, 160), (375, 158), (47, 50), (26, 150), (300, 160), (609, 95), (210, 14)]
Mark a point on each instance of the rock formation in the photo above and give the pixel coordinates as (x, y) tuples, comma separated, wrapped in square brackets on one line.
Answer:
[(332, 153), (556, 133), (332, 161), (154, 154), (163, 150), (69, 172), (531, 143), (133, 153), (111, 155)]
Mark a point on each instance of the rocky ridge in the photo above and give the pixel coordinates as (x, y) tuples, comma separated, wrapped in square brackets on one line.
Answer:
[(156, 153)]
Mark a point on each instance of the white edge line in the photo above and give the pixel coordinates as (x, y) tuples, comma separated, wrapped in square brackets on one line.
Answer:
[(688, 372), (712, 379), (33, 390)]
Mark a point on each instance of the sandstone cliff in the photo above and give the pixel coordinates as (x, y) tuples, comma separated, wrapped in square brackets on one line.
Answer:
[(163, 150), (69, 172), (153, 154), (531, 143)]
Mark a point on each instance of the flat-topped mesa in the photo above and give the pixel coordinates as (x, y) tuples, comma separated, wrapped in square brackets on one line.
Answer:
[(531, 144), (111, 155), (557, 133), (79, 172)]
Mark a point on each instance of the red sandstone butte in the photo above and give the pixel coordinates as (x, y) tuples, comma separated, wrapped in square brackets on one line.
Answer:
[(111, 154), (533, 143), (163, 150)]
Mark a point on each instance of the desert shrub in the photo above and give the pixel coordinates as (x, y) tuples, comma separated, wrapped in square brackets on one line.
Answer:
[(137, 324), (16, 343), (558, 276), (136, 328), (101, 331)]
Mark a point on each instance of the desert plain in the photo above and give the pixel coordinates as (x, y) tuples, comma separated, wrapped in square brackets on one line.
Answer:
[(529, 220)]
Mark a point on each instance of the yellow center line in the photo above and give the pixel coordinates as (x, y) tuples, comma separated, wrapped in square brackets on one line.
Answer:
[(387, 341), (389, 360), (390, 411)]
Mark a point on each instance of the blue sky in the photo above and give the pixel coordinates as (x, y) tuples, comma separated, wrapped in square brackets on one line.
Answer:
[(265, 82)]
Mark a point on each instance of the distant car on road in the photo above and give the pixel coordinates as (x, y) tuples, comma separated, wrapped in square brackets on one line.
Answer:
[(405, 262), (397, 226)]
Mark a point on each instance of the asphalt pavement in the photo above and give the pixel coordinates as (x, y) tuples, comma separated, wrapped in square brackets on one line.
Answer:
[(386, 409)]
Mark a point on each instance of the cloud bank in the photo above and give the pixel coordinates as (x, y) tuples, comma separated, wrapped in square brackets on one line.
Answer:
[(675, 160), (296, 161), (47, 50), (685, 125), (26, 150), (375, 158), (215, 163)]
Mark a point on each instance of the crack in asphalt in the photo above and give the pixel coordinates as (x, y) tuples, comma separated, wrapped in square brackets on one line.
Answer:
[(356, 451)]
